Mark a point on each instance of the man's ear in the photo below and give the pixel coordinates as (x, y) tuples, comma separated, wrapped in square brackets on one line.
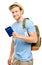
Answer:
[(22, 11)]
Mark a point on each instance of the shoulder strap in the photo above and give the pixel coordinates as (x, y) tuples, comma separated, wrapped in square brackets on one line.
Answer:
[(24, 22), (24, 26)]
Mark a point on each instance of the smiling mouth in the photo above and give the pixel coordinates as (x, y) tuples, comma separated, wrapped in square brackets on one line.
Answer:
[(14, 16)]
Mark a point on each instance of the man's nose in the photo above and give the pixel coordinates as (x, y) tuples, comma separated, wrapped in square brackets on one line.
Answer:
[(14, 13)]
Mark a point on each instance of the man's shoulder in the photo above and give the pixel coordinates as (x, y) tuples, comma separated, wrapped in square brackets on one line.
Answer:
[(14, 24), (29, 22)]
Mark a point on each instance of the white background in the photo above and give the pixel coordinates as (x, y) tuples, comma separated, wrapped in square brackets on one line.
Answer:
[(33, 10)]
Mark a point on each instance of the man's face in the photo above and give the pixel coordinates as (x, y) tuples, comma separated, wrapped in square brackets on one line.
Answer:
[(16, 12)]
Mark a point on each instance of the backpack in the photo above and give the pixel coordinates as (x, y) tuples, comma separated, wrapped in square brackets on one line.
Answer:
[(34, 46)]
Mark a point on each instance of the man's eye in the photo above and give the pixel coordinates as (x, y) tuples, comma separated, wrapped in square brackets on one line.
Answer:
[(12, 12), (16, 11)]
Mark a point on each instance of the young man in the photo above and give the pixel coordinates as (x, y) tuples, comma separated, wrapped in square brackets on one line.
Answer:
[(21, 44)]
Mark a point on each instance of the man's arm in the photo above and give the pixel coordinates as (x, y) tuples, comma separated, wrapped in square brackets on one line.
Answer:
[(12, 48), (31, 39), (11, 52)]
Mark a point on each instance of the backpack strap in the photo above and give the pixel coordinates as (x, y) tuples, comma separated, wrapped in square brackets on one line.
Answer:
[(24, 21), (24, 26)]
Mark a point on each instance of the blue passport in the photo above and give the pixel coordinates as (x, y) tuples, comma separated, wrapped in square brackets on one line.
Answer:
[(9, 31)]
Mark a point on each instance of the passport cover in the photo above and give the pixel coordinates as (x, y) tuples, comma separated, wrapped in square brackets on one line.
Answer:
[(9, 31)]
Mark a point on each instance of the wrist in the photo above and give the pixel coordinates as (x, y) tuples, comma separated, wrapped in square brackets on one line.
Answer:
[(10, 56)]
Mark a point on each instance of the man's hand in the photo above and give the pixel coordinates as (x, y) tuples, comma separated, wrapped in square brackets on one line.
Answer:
[(15, 34), (9, 61)]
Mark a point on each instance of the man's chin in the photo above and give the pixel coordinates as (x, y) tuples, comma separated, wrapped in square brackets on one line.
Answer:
[(17, 19)]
